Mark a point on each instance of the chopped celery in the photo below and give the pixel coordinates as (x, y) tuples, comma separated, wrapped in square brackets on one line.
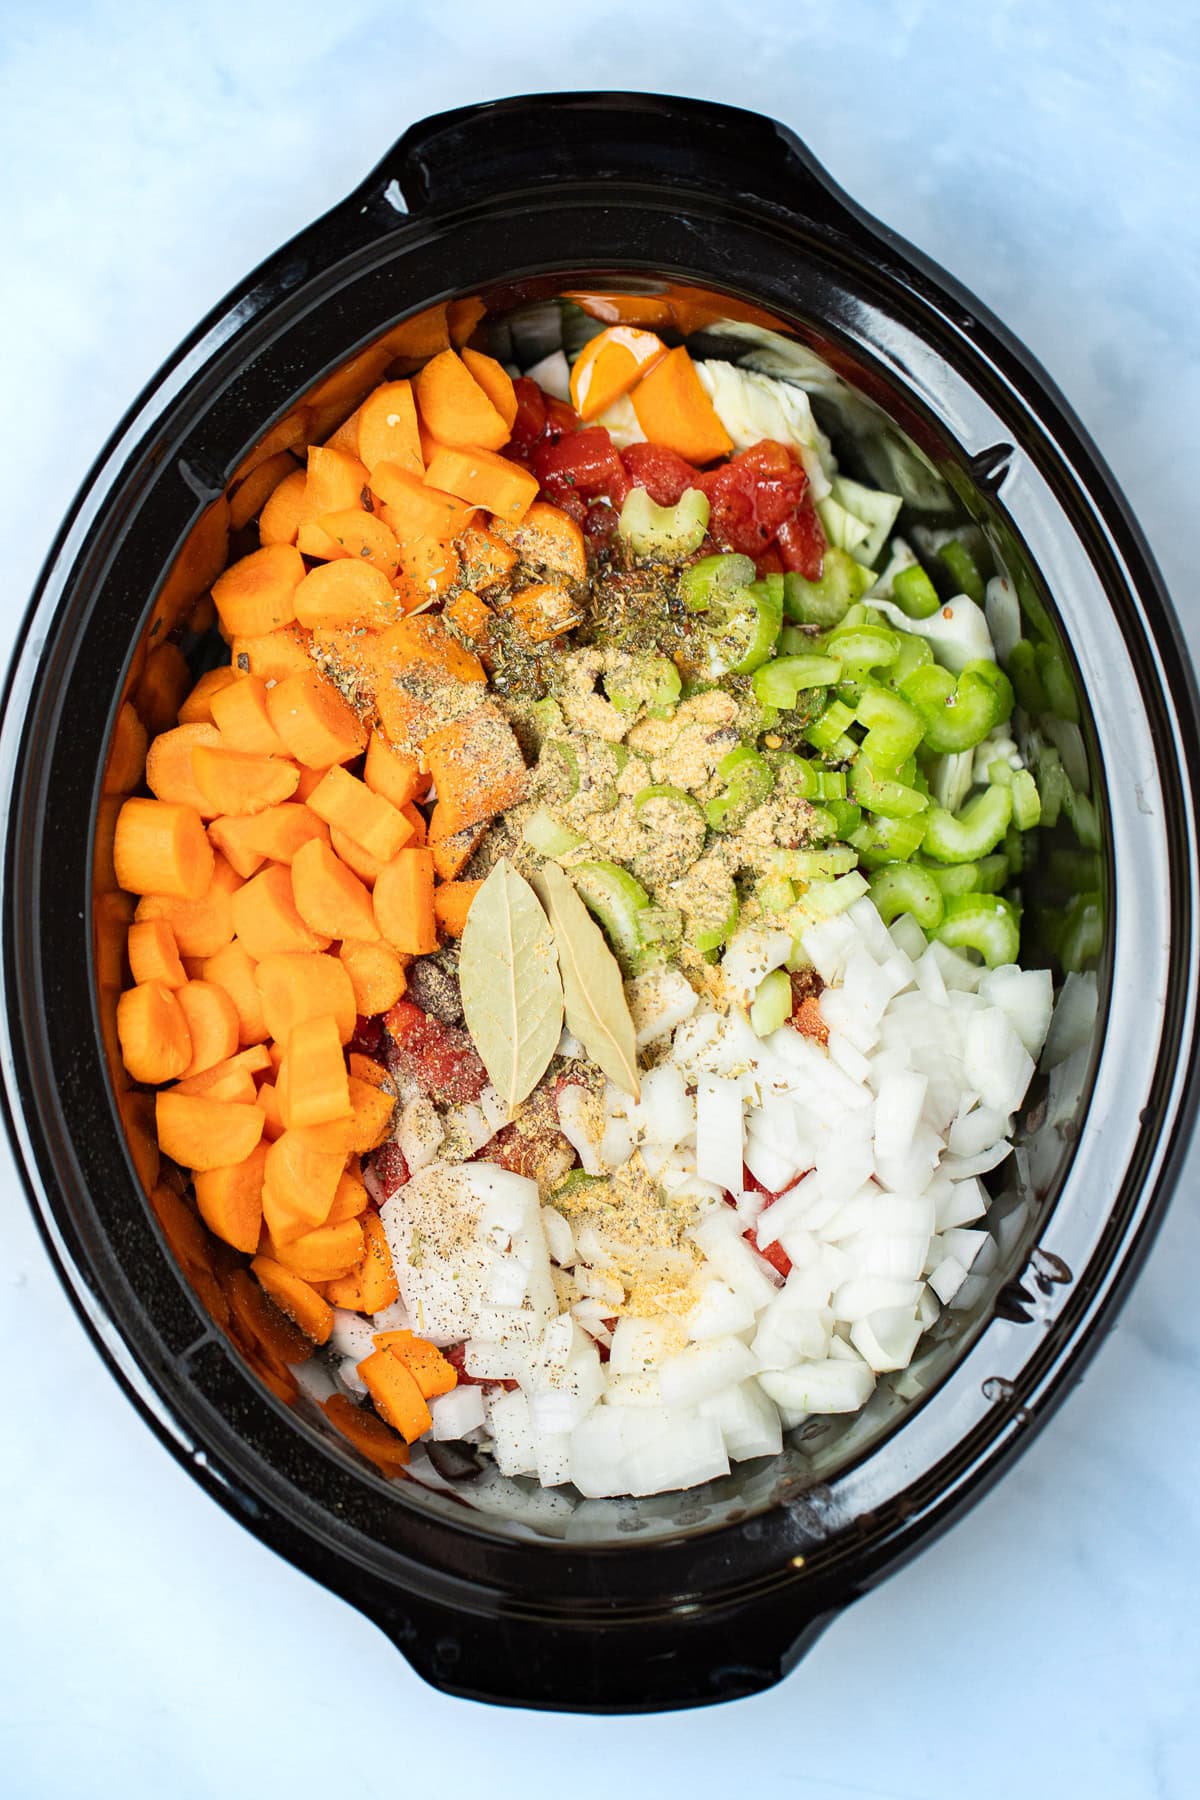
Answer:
[(862, 648), (814, 865), (970, 834), (964, 570), (1057, 683), (652, 682), (826, 600), (1082, 937), (547, 720), (828, 732), (878, 794), (1085, 820), (1053, 786), (958, 714), (822, 826), (796, 778), (772, 1003), (617, 900), (994, 872), (906, 888), (915, 652), (777, 683), (667, 533), (894, 727), (954, 878), (831, 784), (543, 833), (559, 760), (914, 593), (982, 922), (1026, 802), (749, 779), (575, 1185), (742, 617), (1022, 670), (882, 840), (660, 925), (824, 900), (776, 894), (846, 814)]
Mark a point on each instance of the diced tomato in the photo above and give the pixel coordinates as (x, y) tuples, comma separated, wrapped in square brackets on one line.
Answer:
[(751, 496), (801, 542), (600, 525), (770, 562), (775, 1254), (530, 422), (368, 1035), (386, 1171), (560, 418), (457, 1355), (586, 462), (665, 476), (440, 1059)]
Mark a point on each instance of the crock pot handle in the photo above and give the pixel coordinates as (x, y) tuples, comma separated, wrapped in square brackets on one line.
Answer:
[(456, 158)]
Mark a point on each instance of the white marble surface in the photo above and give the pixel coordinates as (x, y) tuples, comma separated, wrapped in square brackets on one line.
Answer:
[(1047, 154)]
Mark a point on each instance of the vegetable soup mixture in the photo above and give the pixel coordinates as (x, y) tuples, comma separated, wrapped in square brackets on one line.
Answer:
[(576, 955)]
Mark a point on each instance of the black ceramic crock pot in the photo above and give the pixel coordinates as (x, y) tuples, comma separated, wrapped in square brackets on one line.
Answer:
[(697, 215)]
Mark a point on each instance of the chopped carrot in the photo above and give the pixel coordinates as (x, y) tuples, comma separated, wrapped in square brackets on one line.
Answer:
[(239, 711), (244, 1063), (298, 1186), (279, 520), (359, 861), (170, 774), (152, 1028), (496, 383), (430, 1370), (230, 1199), (451, 904), (313, 1086), (335, 481), (470, 616), (266, 918), (343, 800), (160, 848), (351, 1200), (323, 1254), (424, 334), (454, 407), (609, 365), (424, 664), (300, 985), (154, 954), (268, 1104), (346, 592), (235, 782), (486, 558), (275, 834), (545, 610), (203, 926), (126, 753), (546, 538), (199, 1133), (232, 968), (314, 721), (254, 490), (403, 901), (274, 655), (309, 779), (452, 849), (363, 537), (394, 774), (329, 898), (376, 975), (462, 316), (809, 1020), (477, 767), (296, 1298), (373, 1285), (413, 509), (374, 1108), (180, 1226), (161, 688), (197, 708), (346, 436), (331, 1138), (257, 593), (482, 478), (673, 410), (260, 1326), (212, 1024), (397, 1397), (387, 428), (367, 1433)]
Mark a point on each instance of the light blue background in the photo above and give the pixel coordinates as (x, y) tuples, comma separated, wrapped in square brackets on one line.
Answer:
[(1048, 155)]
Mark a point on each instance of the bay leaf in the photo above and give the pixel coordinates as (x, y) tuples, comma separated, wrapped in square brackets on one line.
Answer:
[(512, 996), (596, 1008)]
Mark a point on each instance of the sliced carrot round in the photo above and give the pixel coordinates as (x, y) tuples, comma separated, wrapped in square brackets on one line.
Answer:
[(152, 1030)]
